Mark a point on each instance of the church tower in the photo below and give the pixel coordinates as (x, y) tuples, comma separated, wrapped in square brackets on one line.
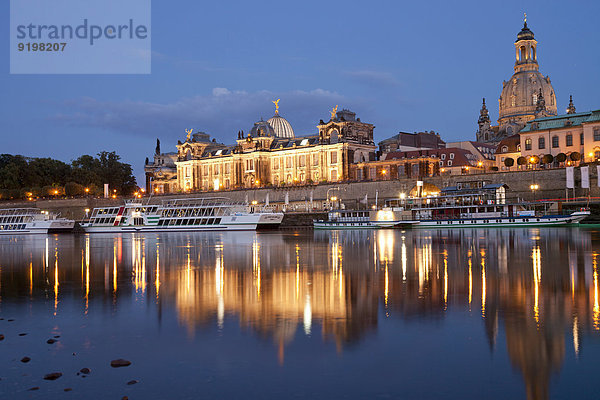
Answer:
[(518, 102), (484, 132)]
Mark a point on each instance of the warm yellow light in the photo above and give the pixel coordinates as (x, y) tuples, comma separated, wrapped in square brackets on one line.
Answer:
[(257, 182), (466, 168), (534, 186), (87, 210), (87, 190), (591, 154), (56, 192), (114, 196), (480, 164), (156, 190), (143, 190), (254, 202), (383, 171), (402, 196), (443, 170), (334, 198)]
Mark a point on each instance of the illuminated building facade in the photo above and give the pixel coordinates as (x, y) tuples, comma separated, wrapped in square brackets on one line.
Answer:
[(271, 155)]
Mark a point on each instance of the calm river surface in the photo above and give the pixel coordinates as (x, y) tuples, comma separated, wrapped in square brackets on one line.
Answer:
[(481, 313)]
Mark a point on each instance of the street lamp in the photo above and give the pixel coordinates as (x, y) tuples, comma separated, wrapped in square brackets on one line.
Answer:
[(534, 187)]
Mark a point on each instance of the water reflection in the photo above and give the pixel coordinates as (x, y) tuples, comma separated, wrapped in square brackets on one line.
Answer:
[(533, 286)]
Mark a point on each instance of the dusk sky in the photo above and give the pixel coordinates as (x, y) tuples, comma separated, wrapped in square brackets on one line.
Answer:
[(216, 66)]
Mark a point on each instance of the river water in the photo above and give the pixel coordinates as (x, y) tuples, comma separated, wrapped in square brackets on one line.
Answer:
[(423, 314)]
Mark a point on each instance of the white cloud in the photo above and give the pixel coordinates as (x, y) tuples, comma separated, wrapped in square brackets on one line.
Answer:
[(222, 113)]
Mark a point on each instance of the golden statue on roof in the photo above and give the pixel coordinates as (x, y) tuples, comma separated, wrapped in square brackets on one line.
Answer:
[(525, 17), (189, 133), (276, 102), (333, 112)]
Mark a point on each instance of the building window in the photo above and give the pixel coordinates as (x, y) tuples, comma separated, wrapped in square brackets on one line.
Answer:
[(581, 138), (249, 165), (449, 163), (504, 149), (288, 162), (535, 98), (452, 156), (216, 169), (334, 157), (276, 163), (441, 163), (315, 158), (541, 143), (187, 171), (302, 161), (569, 140), (596, 134), (554, 142), (443, 156), (527, 144), (206, 170), (227, 168), (334, 176)]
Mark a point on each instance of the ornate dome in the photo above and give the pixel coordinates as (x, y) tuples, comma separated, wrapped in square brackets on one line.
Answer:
[(262, 128), (525, 33), (281, 126)]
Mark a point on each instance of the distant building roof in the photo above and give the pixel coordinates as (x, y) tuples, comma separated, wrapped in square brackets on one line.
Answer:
[(430, 140), (561, 121), (511, 144), (460, 157)]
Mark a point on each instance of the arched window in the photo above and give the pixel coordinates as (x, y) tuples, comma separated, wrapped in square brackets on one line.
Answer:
[(518, 147), (504, 149), (523, 53)]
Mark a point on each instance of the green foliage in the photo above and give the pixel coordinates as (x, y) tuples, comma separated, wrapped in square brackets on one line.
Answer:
[(20, 175)]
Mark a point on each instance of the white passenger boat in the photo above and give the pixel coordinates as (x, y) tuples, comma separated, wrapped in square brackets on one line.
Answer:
[(346, 219), (32, 220), (484, 206), (201, 214)]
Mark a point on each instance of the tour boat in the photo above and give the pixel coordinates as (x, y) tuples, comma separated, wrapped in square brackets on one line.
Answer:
[(346, 219), (199, 214), (484, 206), (456, 207), (32, 220)]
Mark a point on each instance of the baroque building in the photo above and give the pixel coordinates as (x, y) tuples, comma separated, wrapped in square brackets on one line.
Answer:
[(271, 155), (525, 96)]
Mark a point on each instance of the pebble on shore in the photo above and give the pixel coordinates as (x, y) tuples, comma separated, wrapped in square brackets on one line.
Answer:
[(120, 363), (52, 376)]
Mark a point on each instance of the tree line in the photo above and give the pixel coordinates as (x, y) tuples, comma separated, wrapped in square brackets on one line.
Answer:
[(28, 177)]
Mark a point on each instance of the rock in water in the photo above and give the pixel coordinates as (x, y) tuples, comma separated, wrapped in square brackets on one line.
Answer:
[(22, 334), (67, 389), (1, 337), (85, 371), (25, 359), (132, 382), (34, 388), (51, 341), (120, 363), (52, 376)]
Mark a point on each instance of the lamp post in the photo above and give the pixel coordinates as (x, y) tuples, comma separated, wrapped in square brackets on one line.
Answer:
[(534, 187), (327, 195)]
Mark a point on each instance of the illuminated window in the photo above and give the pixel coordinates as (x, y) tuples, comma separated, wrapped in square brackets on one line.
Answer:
[(302, 161), (288, 162), (452, 156), (527, 144), (315, 158), (581, 138), (504, 149), (334, 157)]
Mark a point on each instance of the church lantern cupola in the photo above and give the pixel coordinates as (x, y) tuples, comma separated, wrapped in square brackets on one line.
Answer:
[(526, 50)]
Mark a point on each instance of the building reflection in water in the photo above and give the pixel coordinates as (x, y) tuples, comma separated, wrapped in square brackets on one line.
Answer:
[(535, 286)]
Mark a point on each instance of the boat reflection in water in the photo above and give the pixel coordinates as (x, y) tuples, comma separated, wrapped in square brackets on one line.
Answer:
[(533, 290)]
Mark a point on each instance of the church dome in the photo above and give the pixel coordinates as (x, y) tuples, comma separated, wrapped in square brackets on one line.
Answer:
[(281, 126), (520, 94), (262, 128)]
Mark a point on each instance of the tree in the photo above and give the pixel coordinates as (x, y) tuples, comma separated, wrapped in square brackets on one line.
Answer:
[(74, 189), (547, 159), (521, 160), (509, 162), (575, 156), (561, 157)]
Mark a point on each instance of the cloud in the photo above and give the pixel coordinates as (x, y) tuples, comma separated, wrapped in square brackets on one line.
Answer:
[(373, 78), (222, 113)]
